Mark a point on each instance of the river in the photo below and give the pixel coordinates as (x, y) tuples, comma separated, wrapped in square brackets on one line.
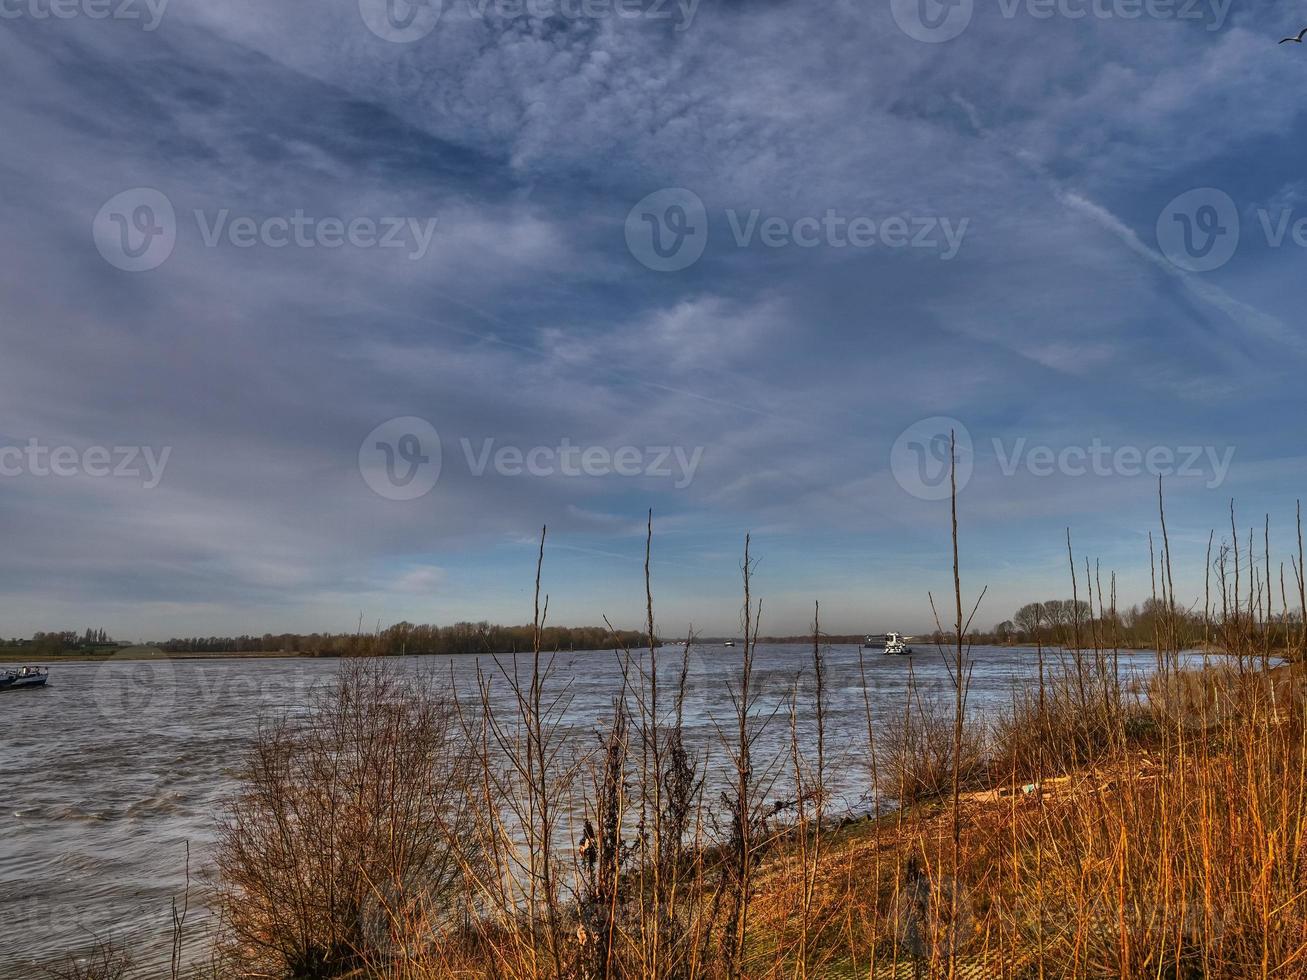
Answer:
[(112, 770)]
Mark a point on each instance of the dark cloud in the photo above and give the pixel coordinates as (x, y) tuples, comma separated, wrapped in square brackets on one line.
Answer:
[(527, 322)]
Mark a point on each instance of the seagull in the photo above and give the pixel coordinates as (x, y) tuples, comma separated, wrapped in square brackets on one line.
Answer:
[(1295, 40)]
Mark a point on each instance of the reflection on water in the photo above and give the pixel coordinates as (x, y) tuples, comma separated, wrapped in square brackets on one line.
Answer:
[(111, 770)]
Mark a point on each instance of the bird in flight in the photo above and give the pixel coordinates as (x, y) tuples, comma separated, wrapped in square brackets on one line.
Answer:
[(1297, 39)]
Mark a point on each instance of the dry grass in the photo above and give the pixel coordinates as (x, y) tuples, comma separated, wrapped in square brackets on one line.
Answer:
[(1182, 861), (1093, 830), (106, 959), (916, 763), (348, 843)]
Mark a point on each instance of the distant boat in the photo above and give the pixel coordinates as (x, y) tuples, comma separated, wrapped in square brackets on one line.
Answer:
[(894, 644), (23, 677), (729, 643)]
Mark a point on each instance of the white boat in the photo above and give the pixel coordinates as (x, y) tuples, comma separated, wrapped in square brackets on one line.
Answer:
[(895, 644), (11, 680), (729, 643)]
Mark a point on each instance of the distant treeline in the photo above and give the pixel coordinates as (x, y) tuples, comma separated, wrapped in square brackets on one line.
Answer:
[(1060, 621), (58, 643), (407, 638), (807, 638)]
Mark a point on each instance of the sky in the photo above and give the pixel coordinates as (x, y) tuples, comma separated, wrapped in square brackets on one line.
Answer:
[(314, 311)]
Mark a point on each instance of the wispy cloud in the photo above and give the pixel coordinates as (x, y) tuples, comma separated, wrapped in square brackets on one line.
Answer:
[(527, 320)]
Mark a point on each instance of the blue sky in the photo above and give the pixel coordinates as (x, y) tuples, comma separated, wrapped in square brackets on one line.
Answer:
[(1021, 269)]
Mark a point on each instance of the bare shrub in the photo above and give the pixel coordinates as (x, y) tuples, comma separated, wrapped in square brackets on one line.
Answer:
[(916, 751), (1080, 714), (346, 844), (376, 840), (1219, 696), (105, 960)]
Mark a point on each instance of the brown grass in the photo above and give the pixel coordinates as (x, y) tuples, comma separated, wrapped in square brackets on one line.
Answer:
[(348, 842), (1092, 830)]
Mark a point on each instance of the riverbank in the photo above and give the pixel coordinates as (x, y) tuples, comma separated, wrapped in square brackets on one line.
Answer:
[(18, 656), (1173, 849), (1108, 830)]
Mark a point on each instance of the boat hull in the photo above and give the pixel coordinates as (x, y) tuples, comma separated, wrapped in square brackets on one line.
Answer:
[(892, 645), (16, 683)]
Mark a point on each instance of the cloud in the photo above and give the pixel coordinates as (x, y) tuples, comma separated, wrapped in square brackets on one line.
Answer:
[(527, 321)]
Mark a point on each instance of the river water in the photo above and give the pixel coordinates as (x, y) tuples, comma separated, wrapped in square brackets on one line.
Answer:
[(113, 769)]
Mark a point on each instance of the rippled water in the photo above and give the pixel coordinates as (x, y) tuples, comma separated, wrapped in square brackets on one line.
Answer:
[(109, 772)]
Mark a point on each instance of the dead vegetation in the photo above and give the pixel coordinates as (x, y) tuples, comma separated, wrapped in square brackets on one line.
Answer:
[(1095, 829)]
